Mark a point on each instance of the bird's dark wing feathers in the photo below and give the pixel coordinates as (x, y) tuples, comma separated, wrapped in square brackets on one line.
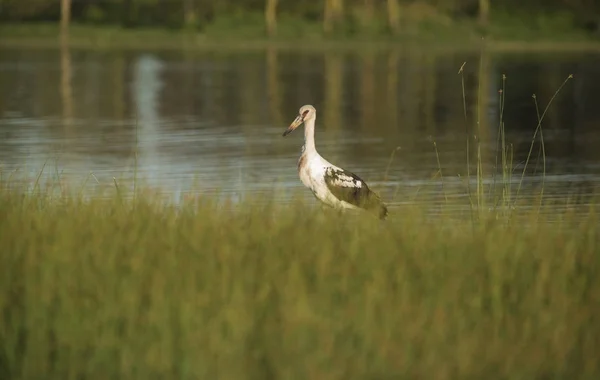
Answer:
[(348, 187)]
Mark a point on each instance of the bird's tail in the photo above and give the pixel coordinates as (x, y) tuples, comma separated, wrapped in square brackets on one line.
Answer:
[(375, 205)]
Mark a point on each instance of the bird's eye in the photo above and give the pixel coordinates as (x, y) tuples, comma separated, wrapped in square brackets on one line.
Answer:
[(305, 113)]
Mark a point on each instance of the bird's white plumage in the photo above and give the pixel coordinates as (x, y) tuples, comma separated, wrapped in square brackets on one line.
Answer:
[(311, 169), (330, 184)]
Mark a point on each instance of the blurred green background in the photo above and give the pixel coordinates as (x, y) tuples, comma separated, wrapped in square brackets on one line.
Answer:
[(314, 18)]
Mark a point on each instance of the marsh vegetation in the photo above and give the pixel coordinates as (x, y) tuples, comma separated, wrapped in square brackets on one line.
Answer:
[(138, 288)]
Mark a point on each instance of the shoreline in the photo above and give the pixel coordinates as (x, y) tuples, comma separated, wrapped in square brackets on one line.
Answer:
[(101, 38)]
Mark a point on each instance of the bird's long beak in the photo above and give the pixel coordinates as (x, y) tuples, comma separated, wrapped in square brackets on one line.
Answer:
[(295, 124)]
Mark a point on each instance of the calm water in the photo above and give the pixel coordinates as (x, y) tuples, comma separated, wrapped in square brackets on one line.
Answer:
[(211, 122)]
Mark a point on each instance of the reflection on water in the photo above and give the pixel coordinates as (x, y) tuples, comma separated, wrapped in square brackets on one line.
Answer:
[(146, 89), (211, 122)]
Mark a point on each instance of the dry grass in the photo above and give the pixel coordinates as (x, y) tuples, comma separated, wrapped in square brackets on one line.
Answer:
[(135, 289)]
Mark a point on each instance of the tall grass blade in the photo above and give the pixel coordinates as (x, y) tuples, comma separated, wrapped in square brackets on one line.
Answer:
[(37, 179), (543, 152), (387, 169), (437, 156), (461, 72), (537, 129)]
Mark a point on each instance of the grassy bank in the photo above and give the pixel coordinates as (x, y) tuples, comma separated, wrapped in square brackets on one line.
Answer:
[(134, 289), (455, 36)]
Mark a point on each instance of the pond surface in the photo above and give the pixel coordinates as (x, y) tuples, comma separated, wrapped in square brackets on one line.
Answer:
[(211, 122)]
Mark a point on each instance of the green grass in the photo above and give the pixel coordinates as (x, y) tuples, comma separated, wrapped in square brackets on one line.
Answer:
[(113, 288), (249, 33)]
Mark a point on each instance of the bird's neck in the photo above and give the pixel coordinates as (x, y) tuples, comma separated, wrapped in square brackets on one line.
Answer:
[(309, 137)]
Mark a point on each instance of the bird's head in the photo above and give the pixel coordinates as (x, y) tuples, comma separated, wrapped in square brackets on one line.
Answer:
[(306, 112)]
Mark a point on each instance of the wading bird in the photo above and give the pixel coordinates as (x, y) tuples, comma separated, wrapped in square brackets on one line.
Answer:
[(334, 186)]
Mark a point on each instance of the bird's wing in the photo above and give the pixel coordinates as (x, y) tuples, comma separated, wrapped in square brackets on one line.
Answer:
[(348, 187)]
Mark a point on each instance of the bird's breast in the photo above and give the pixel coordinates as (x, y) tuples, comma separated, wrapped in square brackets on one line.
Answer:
[(301, 163), (308, 171), (304, 171)]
